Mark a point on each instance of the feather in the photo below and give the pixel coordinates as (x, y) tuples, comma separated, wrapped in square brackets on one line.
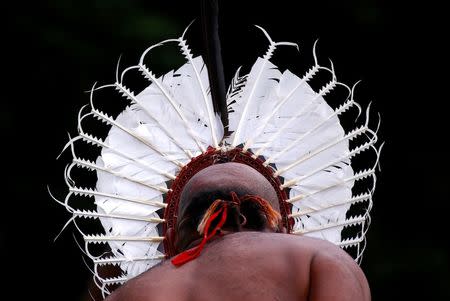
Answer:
[(312, 208), (213, 58), (201, 75), (296, 117), (288, 82), (91, 192), (263, 76), (163, 94), (95, 214), (233, 93)]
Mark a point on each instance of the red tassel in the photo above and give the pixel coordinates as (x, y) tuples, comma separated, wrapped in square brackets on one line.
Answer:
[(194, 252)]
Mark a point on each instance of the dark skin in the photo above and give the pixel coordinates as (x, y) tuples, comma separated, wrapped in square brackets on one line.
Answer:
[(249, 265)]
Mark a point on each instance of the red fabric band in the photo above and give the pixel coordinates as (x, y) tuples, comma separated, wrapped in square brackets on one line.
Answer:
[(194, 252)]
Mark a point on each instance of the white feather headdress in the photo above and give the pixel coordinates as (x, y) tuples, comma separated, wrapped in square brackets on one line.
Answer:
[(279, 125)]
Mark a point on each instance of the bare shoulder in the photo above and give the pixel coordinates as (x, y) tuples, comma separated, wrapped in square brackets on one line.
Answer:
[(318, 270), (323, 271), (143, 287), (336, 276), (127, 291)]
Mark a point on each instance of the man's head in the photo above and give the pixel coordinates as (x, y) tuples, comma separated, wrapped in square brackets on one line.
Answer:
[(218, 182)]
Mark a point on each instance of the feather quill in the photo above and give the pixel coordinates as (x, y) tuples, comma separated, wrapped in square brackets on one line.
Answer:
[(262, 77)]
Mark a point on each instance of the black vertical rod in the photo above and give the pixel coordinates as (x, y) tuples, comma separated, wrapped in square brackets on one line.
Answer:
[(213, 59)]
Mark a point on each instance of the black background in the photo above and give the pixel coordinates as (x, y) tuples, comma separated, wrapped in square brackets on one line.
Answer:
[(55, 50)]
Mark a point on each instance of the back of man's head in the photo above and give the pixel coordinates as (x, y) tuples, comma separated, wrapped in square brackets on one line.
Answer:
[(251, 200)]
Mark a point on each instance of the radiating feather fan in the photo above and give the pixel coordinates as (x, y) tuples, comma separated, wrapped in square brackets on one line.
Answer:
[(275, 117)]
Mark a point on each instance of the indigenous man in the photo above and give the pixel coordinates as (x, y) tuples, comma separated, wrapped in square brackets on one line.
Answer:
[(231, 246)]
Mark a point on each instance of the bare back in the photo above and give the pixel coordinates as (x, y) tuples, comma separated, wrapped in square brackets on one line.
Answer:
[(254, 266)]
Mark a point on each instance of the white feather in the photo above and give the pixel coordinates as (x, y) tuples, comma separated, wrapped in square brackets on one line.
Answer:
[(185, 94), (201, 75), (255, 98), (253, 101)]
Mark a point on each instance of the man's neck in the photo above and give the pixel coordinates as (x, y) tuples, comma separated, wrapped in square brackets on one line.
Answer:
[(222, 232)]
